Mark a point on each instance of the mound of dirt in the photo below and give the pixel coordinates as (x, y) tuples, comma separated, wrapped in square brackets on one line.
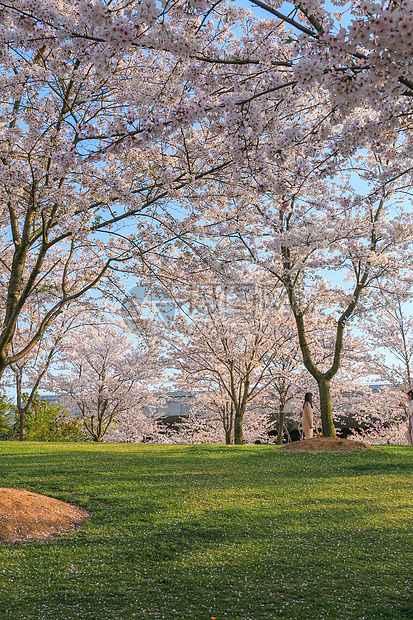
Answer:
[(26, 516), (327, 444)]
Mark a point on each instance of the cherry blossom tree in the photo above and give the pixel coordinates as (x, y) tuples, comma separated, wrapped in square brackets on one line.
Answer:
[(210, 424), (389, 333), (377, 40), (230, 77), (110, 111), (212, 418), (231, 59), (373, 411), (218, 414), (289, 377), (27, 373), (104, 378), (227, 345), (319, 226), (140, 424), (91, 139)]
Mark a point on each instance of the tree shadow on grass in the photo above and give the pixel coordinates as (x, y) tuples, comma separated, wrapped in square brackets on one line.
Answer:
[(280, 552), (224, 562)]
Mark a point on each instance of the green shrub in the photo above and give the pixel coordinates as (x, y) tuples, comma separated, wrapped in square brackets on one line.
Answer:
[(6, 417), (49, 422)]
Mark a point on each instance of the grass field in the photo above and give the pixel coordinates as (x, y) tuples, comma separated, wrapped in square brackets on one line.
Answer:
[(203, 532)]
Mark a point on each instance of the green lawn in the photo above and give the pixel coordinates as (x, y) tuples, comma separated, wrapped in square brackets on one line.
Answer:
[(228, 532)]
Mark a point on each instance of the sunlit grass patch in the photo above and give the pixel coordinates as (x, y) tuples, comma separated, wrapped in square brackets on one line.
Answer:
[(198, 531)]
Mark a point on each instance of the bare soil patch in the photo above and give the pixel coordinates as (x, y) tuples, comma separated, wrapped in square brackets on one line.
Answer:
[(327, 444), (26, 516)]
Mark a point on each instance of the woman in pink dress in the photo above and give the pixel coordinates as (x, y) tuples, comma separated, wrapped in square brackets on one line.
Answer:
[(409, 411), (308, 419)]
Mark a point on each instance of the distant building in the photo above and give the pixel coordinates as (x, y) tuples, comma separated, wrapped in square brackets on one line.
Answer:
[(175, 406)]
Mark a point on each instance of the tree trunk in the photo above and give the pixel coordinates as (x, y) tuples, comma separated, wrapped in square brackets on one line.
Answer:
[(22, 424), (238, 427), (325, 407), (228, 421), (281, 415)]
